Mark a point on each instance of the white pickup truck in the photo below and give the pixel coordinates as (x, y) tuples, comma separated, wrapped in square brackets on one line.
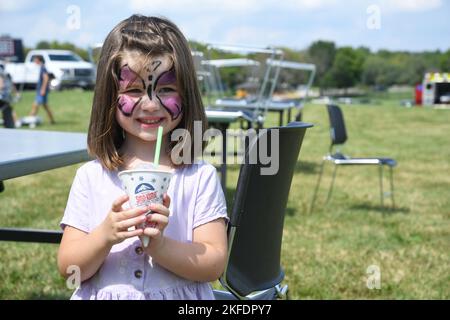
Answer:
[(65, 67)]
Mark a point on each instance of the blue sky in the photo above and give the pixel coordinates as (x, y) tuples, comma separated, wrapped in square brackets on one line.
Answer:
[(413, 25)]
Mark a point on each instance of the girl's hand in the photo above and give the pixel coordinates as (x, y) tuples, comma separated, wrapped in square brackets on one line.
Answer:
[(159, 219), (116, 224)]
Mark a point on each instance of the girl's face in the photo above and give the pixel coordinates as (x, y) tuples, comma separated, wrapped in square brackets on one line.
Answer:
[(148, 97)]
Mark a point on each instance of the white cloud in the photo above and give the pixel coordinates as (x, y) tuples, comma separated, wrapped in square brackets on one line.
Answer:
[(16, 5), (245, 35), (85, 39), (412, 5), (46, 28), (200, 29), (236, 21), (223, 7), (192, 5), (307, 4), (293, 23)]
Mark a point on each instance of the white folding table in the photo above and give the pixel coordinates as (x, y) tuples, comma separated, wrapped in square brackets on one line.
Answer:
[(25, 152)]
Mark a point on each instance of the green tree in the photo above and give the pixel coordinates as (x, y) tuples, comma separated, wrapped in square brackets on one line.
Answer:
[(43, 45), (347, 68), (63, 46), (322, 54), (373, 67), (197, 46), (445, 61)]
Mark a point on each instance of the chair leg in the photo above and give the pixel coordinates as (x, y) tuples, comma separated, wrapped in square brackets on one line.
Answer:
[(392, 187), (282, 292), (330, 191), (381, 185), (313, 201)]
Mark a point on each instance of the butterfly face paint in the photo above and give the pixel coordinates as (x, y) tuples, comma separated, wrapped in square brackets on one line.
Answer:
[(127, 105), (128, 79), (160, 86), (167, 96)]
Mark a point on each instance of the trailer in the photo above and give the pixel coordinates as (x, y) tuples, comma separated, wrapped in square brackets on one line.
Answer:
[(436, 89)]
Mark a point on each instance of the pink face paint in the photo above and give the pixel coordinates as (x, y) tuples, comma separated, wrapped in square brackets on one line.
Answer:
[(167, 78), (127, 77), (172, 102), (127, 105)]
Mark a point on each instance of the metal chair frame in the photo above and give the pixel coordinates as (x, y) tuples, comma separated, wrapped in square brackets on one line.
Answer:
[(338, 136)]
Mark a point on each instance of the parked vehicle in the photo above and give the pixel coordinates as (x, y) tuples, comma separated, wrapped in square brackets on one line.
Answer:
[(66, 69)]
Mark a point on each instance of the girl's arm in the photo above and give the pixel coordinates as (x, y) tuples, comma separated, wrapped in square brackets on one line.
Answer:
[(85, 250), (89, 250), (202, 260)]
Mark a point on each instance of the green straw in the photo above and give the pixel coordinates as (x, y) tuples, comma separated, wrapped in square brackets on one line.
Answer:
[(158, 146)]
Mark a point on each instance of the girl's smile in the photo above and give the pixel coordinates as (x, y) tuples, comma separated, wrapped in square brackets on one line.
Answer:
[(150, 122)]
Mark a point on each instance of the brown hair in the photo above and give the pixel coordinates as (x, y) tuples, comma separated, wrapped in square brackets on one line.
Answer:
[(40, 58), (151, 36)]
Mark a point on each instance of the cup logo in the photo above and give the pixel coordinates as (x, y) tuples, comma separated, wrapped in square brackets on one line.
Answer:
[(142, 187), (144, 194)]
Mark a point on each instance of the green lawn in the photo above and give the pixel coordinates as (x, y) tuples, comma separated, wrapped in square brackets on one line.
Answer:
[(325, 253)]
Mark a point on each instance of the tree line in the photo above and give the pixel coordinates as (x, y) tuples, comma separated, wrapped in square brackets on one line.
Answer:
[(83, 53), (337, 67), (344, 67)]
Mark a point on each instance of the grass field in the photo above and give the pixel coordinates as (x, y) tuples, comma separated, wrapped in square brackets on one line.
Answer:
[(325, 253)]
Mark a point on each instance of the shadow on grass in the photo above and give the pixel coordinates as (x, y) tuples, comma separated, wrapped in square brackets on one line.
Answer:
[(382, 209), (290, 211), (229, 195), (47, 296), (307, 167), (63, 123), (66, 126)]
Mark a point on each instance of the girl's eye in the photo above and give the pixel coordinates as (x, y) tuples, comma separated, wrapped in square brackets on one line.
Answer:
[(133, 91), (166, 90)]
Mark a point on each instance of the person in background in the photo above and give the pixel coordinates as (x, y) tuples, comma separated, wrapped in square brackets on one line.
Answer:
[(42, 89), (7, 94)]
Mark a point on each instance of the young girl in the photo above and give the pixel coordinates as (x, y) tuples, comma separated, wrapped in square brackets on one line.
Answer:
[(145, 79)]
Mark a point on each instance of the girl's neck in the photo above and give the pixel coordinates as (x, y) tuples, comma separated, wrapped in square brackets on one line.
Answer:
[(136, 151)]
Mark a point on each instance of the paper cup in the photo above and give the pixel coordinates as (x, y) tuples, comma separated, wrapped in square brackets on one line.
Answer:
[(145, 186)]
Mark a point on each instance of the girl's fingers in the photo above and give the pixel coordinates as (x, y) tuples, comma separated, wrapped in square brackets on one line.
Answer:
[(131, 213), (158, 218), (152, 232), (166, 200), (117, 204), (125, 224), (160, 208), (129, 234)]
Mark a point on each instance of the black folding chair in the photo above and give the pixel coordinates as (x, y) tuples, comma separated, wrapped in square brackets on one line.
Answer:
[(255, 230), (338, 136)]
